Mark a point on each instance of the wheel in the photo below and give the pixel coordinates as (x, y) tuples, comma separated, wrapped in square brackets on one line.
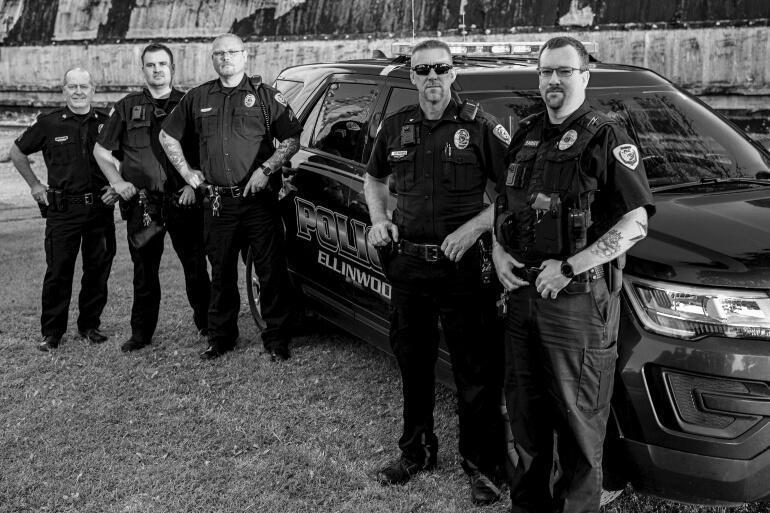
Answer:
[(253, 290)]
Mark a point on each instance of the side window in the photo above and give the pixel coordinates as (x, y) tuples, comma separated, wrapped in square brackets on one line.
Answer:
[(342, 119), (400, 98)]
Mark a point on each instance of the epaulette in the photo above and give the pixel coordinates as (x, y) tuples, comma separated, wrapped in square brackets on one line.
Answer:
[(524, 123), (593, 121), (403, 110)]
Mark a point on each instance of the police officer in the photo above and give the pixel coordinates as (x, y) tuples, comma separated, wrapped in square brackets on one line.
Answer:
[(149, 184), (577, 199), (78, 205), (235, 119), (441, 156)]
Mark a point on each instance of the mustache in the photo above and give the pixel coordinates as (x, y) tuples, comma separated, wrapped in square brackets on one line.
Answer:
[(554, 89)]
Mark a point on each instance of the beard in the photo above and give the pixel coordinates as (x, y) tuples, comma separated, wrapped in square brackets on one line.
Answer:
[(554, 97)]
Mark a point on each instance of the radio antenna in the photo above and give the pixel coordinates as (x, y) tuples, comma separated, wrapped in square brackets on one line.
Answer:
[(413, 27)]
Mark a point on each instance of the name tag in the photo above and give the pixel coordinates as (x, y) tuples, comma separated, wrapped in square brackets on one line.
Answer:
[(398, 154), (206, 109), (61, 138)]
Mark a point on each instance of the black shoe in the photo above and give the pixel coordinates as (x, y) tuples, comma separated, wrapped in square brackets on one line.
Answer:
[(279, 354), (400, 471), (133, 344), (212, 353), (49, 342), (483, 490), (93, 335)]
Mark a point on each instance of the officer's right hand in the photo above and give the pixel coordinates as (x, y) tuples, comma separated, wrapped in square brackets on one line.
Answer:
[(195, 178), (125, 189), (504, 264), (382, 232), (39, 193)]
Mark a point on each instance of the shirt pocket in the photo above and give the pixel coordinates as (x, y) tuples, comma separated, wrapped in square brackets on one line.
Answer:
[(559, 170), (63, 150), (597, 376), (206, 123), (519, 171), (460, 171), (138, 131), (402, 164), (249, 123)]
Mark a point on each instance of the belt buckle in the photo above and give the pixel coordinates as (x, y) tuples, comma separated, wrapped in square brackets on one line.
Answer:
[(88, 198), (431, 253), (236, 192)]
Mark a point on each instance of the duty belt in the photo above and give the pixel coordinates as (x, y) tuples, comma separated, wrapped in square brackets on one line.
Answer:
[(88, 198), (426, 252), (229, 192), (529, 274)]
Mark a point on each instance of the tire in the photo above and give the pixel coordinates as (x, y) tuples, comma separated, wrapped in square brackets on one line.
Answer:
[(253, 291)]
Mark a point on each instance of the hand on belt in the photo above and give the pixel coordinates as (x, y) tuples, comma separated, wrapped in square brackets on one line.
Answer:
[(218, 190), (88, 198), (427, 252)]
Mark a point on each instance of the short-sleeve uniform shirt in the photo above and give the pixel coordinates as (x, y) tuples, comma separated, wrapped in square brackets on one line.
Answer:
[(67, 142), (231, 125), (440, 167)]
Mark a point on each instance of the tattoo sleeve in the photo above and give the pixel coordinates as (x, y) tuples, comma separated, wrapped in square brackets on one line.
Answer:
[(608, 245), (173, 149), (285, 150)]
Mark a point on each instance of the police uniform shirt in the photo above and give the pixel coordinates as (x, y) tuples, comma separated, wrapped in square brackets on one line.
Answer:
[(440, 179), (231, 127), (67, 142), (131, 133), (610, 164)]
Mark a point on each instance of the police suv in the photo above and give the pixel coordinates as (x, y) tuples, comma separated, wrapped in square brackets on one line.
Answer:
[(691, 409)]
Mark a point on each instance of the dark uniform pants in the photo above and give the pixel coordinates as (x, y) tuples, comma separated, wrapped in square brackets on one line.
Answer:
[(422, 293), (560, 366), (185, 226), (90, 228), (255, 220)]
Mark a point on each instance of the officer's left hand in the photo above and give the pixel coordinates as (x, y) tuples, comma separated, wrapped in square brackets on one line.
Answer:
[(458, 242), (109, 196), (550, 281), (257, 182), (187, 196)]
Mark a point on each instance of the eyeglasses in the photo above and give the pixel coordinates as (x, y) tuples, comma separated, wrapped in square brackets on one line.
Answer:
[(220, 54), (564, 72), (440, 68)]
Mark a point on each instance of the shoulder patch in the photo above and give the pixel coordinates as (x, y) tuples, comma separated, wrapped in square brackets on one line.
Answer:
[(502, 134), (627, 154), (280, 99)]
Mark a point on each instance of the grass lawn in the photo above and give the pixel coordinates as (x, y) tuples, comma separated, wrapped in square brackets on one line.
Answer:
[(88, 429)]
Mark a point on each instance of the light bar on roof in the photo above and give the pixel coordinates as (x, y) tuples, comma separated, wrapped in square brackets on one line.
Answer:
[(526, 49)]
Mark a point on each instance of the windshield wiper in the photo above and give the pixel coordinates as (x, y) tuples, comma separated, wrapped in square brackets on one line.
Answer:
[(710, 182)]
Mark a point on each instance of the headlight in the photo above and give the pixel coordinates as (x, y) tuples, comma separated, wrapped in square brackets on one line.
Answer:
[(691, 312)]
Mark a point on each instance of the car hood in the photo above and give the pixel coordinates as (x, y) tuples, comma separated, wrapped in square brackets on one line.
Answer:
[(717, 239)]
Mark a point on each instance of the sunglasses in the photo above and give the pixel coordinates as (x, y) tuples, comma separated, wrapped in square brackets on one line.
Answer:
[(440, 68)]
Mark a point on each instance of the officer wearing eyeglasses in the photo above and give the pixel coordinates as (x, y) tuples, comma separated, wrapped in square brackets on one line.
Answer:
[(78, 206), (440, 155), (235, 119), (573, 200), (154, 197)]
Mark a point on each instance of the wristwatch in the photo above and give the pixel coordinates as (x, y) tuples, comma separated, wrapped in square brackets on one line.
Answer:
[(566, 269), (266, 170)]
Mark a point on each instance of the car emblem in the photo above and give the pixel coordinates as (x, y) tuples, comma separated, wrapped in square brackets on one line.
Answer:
[(280, 99), (249, 100), (627, 154), (568, 139), (502, 134), (61, 138), (462, 138)]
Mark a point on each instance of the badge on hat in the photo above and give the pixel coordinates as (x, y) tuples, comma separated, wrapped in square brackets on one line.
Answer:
[(568, 139), (462, 138), (502, 134), (280, 99), (249, 100), (627, 154)]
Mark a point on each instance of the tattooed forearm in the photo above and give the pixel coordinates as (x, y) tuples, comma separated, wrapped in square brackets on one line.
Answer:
[(642, 229), (285, 150), (608, 245), (173, 149)]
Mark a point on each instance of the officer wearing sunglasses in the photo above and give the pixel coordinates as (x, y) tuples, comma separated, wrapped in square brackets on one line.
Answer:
[(441, 155)]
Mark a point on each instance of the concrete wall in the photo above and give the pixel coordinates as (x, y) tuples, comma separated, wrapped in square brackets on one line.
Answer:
[(715, 61)]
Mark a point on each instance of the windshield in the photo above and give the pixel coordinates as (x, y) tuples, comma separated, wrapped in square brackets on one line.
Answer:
[(680, 140)]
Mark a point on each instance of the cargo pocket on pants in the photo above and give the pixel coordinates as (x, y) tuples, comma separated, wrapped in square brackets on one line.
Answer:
[(597, 375)]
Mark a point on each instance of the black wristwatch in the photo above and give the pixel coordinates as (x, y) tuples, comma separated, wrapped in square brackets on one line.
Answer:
[(566, 269), (266, 170)]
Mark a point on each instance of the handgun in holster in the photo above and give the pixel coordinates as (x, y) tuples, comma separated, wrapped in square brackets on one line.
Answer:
[(506, 230), (57, 201), (548, 229)]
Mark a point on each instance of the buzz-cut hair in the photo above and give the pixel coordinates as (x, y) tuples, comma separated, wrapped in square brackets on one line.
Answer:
[(158, 47), (227, 35), (431, 44), (561, 42), (77, 68)]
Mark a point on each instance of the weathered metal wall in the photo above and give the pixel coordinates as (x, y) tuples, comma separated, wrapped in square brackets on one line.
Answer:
[(25, 22), (706, 61)]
